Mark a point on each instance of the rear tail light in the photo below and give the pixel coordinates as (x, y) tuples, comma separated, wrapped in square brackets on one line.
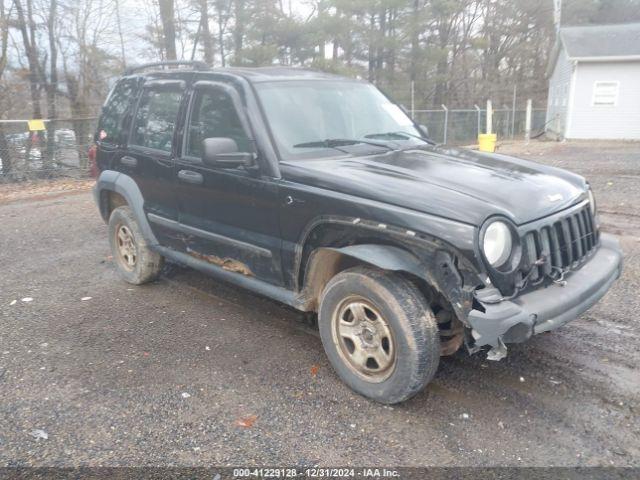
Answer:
[(93, 165)]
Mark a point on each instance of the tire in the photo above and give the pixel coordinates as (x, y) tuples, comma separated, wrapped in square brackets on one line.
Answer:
[(136, 262), (362, 306)]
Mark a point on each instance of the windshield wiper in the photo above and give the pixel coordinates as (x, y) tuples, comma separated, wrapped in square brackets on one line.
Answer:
[(406, 135), (339, 142)]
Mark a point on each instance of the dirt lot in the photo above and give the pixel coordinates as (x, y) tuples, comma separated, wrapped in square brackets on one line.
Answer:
[(191, 372)]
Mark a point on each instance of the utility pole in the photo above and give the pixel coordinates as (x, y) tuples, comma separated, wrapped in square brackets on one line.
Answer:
[(557, 14)]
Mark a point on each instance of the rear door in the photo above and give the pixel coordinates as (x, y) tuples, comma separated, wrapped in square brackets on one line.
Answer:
[(150, 155), (230, 215)]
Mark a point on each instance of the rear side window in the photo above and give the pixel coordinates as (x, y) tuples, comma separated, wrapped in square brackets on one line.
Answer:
[(112, 126), (156, 118), (214, 115)]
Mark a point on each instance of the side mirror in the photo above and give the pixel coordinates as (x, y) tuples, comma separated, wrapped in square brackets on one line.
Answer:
[(424, 130), (222, 152)]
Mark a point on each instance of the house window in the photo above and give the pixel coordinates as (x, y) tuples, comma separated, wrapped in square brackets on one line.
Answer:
[(605, 93)]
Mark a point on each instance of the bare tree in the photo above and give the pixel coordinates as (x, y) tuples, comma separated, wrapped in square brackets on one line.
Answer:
[(238, 28), (205, 32), (120, 35), (4, 38), (27, 27), (167, 16), (52, 87), (5, 152), (85, 64)]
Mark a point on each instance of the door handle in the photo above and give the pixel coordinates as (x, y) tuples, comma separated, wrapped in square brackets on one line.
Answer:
[(189, 176), (129, 161)]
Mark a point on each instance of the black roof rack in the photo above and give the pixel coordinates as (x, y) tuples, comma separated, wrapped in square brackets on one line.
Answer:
[(169, 63)]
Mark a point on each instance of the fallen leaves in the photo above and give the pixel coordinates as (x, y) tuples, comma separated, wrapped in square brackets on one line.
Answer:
[(39, 188), (314, 370), (247, 422)]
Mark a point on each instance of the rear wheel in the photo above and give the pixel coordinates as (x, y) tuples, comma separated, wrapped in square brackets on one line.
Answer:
[(136, 262), (379, 334)]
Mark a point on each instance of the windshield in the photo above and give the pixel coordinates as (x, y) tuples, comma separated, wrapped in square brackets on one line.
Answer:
[(322, 118)]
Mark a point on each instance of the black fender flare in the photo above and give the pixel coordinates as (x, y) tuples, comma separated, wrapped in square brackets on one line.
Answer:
[(124, 185), (439, 272), (385, 257), (325, 262)]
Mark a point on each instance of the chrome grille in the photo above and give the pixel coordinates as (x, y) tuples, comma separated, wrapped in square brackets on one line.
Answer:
[(563, 243)]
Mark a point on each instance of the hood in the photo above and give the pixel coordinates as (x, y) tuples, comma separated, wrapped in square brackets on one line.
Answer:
[(458, 184)]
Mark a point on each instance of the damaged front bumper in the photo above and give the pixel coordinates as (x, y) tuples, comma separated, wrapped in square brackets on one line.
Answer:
[(516, 320)]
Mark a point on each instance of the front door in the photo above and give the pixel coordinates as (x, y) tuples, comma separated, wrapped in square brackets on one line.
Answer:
[(229, 216)]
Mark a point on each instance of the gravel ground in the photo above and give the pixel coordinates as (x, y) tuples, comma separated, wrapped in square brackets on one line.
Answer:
[(191, 372)]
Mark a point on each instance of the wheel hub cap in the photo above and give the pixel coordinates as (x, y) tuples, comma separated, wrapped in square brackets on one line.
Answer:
[(127, 249), (364, 339)]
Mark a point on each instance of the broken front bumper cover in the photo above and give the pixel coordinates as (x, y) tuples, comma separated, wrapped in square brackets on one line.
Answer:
[(516, 320)]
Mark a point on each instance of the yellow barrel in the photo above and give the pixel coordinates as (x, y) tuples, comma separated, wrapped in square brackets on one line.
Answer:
[(487, 142)]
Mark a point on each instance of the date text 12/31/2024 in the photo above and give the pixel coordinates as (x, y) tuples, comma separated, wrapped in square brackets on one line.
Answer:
[(315, 473)]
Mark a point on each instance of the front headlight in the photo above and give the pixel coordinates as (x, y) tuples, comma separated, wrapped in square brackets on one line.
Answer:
[(592, 202), (497, 243)]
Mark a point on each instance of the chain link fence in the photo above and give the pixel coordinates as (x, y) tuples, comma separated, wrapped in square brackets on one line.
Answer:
[(62, 149), (462, 126), (58, 151)]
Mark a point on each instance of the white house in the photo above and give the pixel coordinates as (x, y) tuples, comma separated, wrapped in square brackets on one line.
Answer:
[(594, 83)]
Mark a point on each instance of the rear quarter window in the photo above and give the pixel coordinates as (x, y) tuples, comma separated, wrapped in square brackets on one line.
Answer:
[(111, 127)]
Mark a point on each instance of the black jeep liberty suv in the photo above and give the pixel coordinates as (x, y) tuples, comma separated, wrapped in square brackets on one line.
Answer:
[(320, 192)]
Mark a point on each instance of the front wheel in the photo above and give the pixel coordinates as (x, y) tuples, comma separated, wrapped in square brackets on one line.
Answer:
[(379, 334)]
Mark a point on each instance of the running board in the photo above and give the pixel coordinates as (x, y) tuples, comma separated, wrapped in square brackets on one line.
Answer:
[(250, 283)]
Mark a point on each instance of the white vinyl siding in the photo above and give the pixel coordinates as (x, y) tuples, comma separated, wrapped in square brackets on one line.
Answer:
[(558, 97), (606, 101)]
